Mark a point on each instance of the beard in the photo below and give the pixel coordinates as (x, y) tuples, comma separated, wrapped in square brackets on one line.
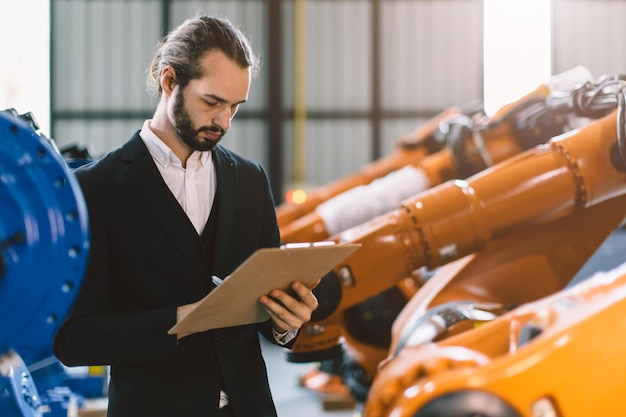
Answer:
[(187, 133)]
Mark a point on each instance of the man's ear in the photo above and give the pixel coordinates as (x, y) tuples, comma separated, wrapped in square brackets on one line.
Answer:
[(168, 79)]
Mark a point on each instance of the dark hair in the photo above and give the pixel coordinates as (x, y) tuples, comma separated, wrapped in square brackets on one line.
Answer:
[(185, 45)]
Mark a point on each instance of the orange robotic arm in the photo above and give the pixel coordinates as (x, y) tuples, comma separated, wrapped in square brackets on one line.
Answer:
[(561, 356), (458, 218), (517, 270), (570, 173)]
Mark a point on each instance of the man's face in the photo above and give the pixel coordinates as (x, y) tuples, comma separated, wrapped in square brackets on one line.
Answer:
[(191, 136), (201, 112)]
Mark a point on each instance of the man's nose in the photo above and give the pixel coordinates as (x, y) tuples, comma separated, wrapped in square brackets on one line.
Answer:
[(223, 118)]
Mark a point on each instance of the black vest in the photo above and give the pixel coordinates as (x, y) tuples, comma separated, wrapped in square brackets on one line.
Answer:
[(205, 243)]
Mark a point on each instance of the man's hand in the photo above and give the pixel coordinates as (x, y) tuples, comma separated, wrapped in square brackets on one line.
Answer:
[(290, 311)]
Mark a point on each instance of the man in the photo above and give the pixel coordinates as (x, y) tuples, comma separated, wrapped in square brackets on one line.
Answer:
[(168, 210)]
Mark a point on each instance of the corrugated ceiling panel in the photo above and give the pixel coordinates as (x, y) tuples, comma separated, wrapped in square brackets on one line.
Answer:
[(335, 149), (99, 136), (101, 52), (338, 54), (392, 130), (431, 53), (249, 138), (589, 33), (70, 66)]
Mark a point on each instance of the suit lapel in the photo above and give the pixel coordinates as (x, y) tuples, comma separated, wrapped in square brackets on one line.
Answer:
[(226, 168), (143, 173)]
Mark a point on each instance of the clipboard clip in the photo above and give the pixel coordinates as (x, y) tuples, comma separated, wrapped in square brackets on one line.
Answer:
[(297, 245)]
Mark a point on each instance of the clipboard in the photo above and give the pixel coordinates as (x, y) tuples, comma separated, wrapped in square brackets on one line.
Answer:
[(235, 301)]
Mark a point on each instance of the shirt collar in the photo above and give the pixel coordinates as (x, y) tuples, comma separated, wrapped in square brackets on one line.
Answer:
[(162, 154)]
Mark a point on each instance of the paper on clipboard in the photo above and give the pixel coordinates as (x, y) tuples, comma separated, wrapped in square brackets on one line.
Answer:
[(235, 301)]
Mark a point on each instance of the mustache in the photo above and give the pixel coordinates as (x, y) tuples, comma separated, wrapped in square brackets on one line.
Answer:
[(212, 129)]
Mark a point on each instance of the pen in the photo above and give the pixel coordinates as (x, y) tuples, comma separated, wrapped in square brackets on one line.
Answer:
[(216, 280)]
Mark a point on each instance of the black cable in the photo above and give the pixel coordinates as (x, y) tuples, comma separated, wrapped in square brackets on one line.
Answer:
[(621, 133), (460, 131)]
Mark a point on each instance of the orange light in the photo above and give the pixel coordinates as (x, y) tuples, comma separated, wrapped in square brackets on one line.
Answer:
[(297, 196)]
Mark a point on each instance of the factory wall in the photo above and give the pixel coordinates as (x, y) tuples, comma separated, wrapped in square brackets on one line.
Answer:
[(344, 81), (589, 33)]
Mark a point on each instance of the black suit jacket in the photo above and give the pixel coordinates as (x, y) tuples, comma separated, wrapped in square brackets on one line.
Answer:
[(143, 263)]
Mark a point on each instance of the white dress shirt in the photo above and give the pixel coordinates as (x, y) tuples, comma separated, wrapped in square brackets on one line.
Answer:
[(193, 186)]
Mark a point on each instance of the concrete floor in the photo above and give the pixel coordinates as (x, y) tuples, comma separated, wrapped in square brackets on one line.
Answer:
[(289, 397)]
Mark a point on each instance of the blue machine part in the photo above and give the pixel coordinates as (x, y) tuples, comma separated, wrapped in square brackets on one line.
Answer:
[(44, 241), (18, 394)]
